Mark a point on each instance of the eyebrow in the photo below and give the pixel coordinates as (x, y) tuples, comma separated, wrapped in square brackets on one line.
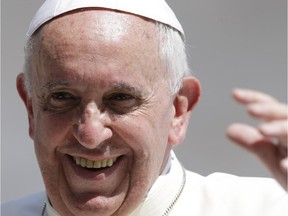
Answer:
[(116, 87), (124, 86), (52, 84)]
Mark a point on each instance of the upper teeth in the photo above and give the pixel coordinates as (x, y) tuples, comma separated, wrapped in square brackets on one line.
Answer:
[(94, 164)]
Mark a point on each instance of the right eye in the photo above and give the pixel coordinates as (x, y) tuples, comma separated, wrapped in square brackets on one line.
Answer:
[(62, 100)]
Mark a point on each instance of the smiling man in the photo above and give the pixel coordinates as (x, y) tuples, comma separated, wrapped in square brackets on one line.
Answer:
[(107, 100)]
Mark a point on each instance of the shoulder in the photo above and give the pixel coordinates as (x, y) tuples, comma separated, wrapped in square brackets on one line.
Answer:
[(227, 181), (225, 194), (26, 206), (233, 185)]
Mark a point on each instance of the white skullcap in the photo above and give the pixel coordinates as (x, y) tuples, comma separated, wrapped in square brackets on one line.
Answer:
[(157, 10)]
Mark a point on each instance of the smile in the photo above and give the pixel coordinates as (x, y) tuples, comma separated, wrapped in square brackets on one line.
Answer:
[(85, 163)]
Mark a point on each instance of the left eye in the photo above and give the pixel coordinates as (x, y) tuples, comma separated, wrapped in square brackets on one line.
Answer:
[(121, 97), (121, 102)]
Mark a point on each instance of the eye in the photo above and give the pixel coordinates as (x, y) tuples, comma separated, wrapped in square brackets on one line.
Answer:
[(62, 100), (122, 102), (62, 95), (121, 97)]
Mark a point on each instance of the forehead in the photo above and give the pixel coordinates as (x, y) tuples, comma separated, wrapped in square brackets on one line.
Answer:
[(100, 34), (112, 25)]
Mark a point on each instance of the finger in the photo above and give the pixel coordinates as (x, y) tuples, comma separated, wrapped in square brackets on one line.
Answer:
[(246, 96), (277, 130), (268, 111), (244, 134), (274, 128), (251, 139)]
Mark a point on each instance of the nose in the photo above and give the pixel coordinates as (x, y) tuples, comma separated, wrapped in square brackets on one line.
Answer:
[(92, 128)]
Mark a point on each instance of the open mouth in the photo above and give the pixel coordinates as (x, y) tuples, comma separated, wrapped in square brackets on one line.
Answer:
[(85, 163)]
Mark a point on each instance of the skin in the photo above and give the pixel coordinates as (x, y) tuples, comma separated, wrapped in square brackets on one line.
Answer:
[(97, 82), (261, 140)]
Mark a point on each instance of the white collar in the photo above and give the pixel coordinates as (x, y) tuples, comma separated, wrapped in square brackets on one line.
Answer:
[(159, 199)]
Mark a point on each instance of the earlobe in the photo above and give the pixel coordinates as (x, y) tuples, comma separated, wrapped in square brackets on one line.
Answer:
[(22, 91), (184, 103)]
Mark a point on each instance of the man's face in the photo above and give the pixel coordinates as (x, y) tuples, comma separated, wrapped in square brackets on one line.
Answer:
[(102, 112)]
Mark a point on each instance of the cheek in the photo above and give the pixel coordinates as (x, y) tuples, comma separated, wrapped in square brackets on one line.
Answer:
[(147, 135), (51, 130), (51, 133)]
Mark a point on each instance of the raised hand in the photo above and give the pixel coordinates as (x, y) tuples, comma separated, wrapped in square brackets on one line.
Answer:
[(268, 140)]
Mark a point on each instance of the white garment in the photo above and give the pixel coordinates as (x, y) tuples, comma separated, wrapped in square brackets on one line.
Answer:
[(215, 195)]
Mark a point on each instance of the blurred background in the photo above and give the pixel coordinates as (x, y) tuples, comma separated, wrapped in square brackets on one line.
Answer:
[(231, 44)]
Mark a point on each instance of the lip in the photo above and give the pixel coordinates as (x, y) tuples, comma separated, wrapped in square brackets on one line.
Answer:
[(94, 174)]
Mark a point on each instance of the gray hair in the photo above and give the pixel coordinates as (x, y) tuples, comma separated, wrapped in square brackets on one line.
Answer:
[(173, 53), (171, 48)]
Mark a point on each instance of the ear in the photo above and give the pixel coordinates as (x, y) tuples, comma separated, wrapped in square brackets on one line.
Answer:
[(26, 98), (184, 103)]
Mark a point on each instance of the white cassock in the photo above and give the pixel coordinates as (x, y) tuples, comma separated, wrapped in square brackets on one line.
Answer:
[(179, 192)]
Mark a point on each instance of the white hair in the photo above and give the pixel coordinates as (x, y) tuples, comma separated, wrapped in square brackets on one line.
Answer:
[(171, 48), (173, 53)]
